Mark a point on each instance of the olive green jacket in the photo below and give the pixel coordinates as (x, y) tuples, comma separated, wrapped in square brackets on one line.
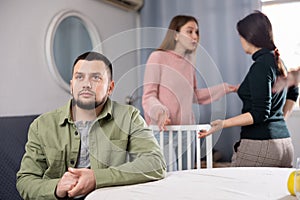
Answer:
[(123, 150)]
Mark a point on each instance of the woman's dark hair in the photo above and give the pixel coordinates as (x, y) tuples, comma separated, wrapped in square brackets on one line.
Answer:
[(175, 25), (256, 29), (90, 56)]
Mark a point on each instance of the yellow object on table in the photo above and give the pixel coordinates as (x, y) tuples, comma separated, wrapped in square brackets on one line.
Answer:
[(291, 183)]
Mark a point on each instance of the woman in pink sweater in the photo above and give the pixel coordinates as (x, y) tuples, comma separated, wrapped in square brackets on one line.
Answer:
[(170, 85)]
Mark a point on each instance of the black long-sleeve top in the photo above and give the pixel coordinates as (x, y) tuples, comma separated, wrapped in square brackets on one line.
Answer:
[(265, 107)]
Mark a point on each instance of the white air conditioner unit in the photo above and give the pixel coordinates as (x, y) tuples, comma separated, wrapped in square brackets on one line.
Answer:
[(134, 5)]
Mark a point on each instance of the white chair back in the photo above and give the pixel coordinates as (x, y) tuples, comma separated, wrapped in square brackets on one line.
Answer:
[(189, 130)]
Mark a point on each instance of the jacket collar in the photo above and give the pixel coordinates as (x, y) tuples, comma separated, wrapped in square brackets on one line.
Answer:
[(66, 113)]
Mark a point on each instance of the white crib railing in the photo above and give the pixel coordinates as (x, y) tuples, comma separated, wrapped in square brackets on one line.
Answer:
[(189, 130)]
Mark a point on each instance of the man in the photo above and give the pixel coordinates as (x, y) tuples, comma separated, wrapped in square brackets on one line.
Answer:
[(292, 78), (91, 142)]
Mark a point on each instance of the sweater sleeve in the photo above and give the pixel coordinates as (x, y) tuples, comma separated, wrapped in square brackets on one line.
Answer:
[(260, 85), (151, 104), (293, 93)]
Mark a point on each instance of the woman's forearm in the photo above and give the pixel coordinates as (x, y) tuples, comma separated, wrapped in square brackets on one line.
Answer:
[(211, 94), (288, 108), (239, 120)]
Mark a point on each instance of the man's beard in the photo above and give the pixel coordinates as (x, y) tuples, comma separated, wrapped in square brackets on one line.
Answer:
[(88, 105)]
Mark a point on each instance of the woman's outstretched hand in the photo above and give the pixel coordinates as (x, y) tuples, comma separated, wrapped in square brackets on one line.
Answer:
[(231, 88), (163, 120), (215, 126)]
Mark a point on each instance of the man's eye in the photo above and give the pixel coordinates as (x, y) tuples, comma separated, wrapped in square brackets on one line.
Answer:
[(96, 77), (78, 77)]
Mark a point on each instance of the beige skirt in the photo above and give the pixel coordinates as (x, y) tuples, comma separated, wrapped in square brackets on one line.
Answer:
[(263, 153)]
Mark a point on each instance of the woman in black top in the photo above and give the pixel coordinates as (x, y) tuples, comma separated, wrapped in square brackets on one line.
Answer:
[(265, 139)]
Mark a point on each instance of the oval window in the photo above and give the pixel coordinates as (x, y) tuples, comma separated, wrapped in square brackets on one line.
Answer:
[(69, 35)]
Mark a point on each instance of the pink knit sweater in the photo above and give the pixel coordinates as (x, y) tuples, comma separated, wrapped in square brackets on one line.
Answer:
[(170, 84)]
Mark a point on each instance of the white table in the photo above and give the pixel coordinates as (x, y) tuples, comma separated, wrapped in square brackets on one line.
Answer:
[(217, 183)]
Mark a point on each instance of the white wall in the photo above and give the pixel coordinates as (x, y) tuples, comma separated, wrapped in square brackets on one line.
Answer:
[(293, 126), (26, 84)]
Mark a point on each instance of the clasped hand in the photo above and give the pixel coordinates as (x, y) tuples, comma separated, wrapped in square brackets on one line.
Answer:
[(76, 182)]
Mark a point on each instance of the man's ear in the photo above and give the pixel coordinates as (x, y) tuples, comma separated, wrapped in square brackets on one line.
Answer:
[(71, 87), (111, 87)]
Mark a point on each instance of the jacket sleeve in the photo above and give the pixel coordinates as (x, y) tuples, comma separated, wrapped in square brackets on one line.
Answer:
[(31, 182), (146, 160)]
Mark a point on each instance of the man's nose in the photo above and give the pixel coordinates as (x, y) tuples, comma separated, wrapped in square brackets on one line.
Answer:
[(87, 83)]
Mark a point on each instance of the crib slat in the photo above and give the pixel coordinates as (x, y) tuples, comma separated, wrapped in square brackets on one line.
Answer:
[(189, 150), (198, 153), (171, 160), (179, 150)]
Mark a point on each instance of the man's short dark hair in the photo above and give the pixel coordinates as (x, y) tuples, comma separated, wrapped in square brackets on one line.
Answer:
[(92, 55)]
